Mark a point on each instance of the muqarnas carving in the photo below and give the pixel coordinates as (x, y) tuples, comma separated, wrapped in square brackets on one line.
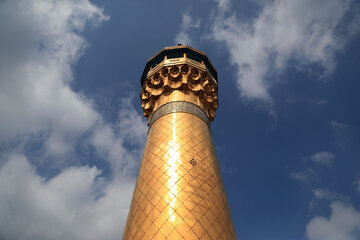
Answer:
[(182, 78)]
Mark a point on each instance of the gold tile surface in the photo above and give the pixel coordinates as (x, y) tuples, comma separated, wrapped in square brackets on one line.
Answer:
[(179, 192)]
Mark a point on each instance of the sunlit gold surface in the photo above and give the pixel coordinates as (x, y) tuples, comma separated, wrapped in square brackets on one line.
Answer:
[(175, 197), (179, 192)]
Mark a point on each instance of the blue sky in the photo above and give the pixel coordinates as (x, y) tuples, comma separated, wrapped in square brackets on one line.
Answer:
[(287, 131)]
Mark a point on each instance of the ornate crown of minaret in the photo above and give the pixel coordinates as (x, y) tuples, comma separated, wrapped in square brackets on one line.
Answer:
[(179, 193)]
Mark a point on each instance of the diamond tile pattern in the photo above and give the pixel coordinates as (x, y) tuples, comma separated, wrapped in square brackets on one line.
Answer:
[(179, 192)]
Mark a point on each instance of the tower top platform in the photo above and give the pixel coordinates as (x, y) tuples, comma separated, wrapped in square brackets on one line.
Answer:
[(178, 51)]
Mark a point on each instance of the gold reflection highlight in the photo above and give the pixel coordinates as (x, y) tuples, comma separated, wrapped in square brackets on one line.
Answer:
[(173, 156)]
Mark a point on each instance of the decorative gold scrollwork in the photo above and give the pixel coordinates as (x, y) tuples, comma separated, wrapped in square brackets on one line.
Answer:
[(184, 78)]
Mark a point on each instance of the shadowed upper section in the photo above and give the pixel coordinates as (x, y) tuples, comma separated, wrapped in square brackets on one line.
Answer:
[(179, 74), (178, 52)]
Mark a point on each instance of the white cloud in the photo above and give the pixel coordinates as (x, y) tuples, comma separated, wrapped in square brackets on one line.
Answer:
[(40, 40), (338, 125), (132, 126), (284, 30), (109, 140), (78, 203), (187, 27), (67, 206), (224, 5), (323, 193), (323, 158), (303, 176), (326, 194), (343, 223), (38, 43)]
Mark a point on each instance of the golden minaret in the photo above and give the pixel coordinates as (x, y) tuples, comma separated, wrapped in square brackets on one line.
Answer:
[(179, 192)]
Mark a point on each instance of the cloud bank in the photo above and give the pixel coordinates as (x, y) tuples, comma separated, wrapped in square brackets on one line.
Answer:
[(39, 43), (75, 204), (343, 223), (283, 34)]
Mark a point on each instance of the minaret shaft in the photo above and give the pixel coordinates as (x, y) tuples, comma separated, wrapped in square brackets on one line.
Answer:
[(179, 192)]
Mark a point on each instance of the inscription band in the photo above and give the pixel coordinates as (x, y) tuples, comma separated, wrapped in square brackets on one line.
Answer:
[(185, 107)]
